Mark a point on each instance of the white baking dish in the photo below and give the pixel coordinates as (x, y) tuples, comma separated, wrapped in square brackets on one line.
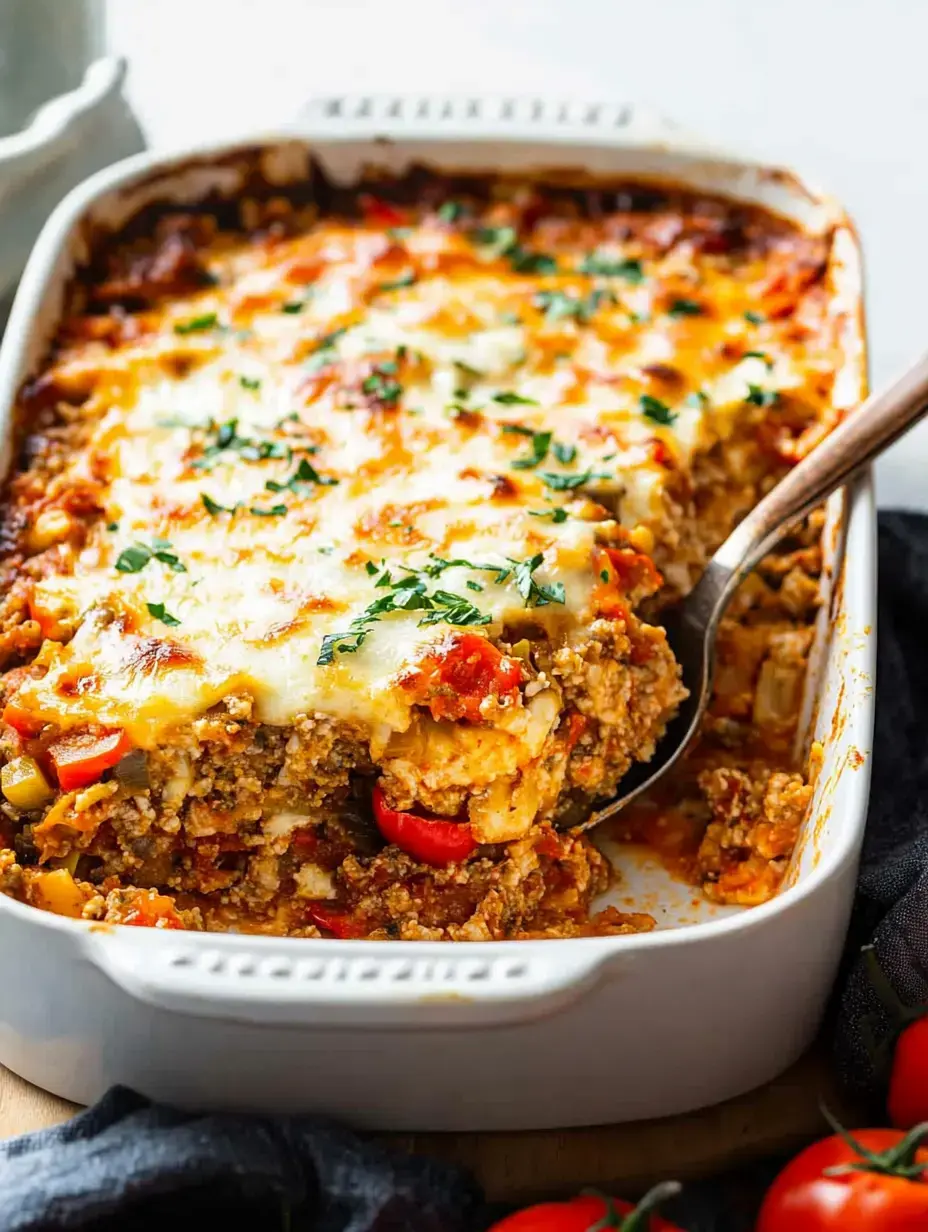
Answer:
[(443, 1036)]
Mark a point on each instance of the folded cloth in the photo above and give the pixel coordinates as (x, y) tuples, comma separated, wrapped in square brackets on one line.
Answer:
[(891, 910), (127, 1163)]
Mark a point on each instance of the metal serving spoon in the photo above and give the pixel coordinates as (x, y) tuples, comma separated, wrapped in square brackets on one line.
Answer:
[(692, 625)]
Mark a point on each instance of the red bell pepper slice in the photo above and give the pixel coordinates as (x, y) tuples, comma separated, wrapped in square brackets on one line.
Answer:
[(80, 757), (21, 720), (339, 923), (430, 840)]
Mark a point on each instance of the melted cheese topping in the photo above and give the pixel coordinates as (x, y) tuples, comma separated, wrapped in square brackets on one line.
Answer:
[(345, 411)]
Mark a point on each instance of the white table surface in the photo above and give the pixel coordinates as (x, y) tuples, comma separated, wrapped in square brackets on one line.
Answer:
[(835, 88)]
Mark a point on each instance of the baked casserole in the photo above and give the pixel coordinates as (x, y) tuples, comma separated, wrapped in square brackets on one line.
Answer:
[(336, 547)]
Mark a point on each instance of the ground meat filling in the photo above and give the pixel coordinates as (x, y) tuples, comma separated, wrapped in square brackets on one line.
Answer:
[(614, 376)]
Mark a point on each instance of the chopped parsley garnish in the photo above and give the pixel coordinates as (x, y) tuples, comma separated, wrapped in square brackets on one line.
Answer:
[(382, 385), (507, 398), (412, 594), (227, 440), (450, 211), (158, 611), (761, 355), (504, 242), (565, 454), (761, 397), (540, 443), (396, 284), (755, 318), (567, 483), (208, 320), (275, 511), (293, 306), (213, 508), (655, 410), (558, 514), (534, 594), (685, 308), (612, 267), (304, 473), (531, 262), (324, 354), (559, 306), (251, 383), (112, 526), (134, 558)]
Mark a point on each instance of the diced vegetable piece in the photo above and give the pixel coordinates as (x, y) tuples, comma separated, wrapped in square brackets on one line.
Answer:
[(81, 757), (57, 891), (147, 909), (431, 840), (21, 720), (24, 784), (462, 673)]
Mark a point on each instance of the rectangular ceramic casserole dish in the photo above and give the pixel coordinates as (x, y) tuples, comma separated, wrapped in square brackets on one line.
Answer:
[(547, 1033)]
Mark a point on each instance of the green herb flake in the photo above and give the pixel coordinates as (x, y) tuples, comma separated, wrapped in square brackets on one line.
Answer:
[(658, 412), (557, 515), (194, 325), (686, 308), (559, 306), (305, 473), (397, 284), (112, 526), (382, 385), (450, 211), (568, 483), (757, 396), (473, 585), (274, 511), (755, 318), (541, 443), (601, 265), (533, 592), (508, 398), (761, 355), (565, 454), (213, 508), (251, 383), (293, 306), (158, 611)]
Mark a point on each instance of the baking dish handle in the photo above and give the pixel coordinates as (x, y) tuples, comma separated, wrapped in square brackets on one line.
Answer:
[(345, 984)]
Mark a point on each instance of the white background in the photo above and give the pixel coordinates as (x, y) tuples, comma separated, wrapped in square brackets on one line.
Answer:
[(836, 88)]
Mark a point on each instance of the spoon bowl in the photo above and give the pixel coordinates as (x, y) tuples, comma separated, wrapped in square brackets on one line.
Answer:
[(692, 625)]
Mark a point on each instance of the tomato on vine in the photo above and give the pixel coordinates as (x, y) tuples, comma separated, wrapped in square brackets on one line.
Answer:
[(594, 1213), (872, 1181)]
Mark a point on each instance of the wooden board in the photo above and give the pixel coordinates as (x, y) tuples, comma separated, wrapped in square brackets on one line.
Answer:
[(775, 1119)]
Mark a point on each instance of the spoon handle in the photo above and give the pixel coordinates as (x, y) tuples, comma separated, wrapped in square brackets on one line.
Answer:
[(875, 425)]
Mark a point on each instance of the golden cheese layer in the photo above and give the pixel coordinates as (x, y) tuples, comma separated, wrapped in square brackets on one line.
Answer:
[(325, 444)]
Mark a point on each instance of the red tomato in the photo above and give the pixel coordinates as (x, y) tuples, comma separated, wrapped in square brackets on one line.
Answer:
[(461, 673), (591, 1213), (80, 757), (431, 840), (872, 1183), (907, 1102)]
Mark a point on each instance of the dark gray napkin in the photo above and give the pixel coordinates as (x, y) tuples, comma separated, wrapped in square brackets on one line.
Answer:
[(892, 894), (126, 1163)]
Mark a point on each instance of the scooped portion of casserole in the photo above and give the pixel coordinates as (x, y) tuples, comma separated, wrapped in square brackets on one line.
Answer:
[(342, 522)]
